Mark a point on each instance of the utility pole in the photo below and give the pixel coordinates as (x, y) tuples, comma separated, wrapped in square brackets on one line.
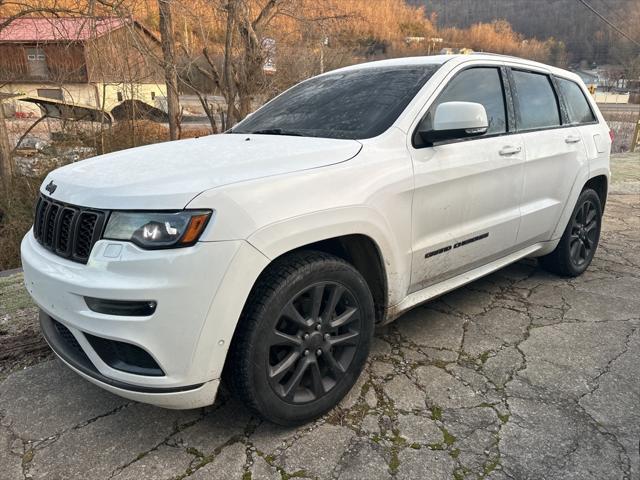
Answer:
[(170, 72)]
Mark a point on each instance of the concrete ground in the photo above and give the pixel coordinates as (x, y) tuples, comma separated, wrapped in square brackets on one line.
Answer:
[(520, 375)]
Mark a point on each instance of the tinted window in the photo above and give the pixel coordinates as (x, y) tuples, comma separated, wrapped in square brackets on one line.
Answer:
[(353, 104), (478, 85), (577, 105), (537, 101)]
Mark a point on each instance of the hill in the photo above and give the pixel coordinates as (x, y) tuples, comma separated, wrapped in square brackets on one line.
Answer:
[(587, 38)]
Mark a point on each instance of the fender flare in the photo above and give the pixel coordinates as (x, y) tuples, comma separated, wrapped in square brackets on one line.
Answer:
[(577, 188), (284, 236)]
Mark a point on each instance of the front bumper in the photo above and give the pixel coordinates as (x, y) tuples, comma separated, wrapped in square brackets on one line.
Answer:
[(66, 347), (187, 335)]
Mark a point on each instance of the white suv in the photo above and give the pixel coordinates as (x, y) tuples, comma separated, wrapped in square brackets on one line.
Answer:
[(267, 255)]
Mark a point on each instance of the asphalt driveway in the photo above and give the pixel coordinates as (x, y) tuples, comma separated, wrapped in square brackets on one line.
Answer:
[(520, 375)]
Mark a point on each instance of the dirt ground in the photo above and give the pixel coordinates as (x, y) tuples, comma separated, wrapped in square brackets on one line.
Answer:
[(20, 341)]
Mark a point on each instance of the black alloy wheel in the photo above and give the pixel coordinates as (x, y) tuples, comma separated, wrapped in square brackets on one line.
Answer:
[(584, 231), (303, 337), (313, 342), (575, 250)]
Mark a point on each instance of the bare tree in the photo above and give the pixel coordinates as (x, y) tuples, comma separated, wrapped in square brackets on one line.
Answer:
[(169, 63), (6, 163), (239, 75)]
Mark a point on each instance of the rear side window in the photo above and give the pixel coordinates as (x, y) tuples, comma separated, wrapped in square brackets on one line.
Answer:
[(537, 103), (478, 85), (577, 105)]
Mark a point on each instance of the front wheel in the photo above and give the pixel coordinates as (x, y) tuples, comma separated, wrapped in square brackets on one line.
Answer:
[(303, 338), (580, 239)]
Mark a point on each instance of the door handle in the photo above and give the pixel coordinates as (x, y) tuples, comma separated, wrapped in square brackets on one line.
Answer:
[(509, 150), (572, 139)]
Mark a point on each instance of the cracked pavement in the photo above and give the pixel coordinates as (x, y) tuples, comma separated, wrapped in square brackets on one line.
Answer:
[(520, 375)]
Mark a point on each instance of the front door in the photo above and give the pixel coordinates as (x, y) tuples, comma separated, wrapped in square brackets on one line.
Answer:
[(467, 192)]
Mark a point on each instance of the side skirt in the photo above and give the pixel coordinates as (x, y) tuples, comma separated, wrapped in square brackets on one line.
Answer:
[(438, 289)]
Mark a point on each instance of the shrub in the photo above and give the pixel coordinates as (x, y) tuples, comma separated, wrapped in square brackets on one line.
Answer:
[(17, 200)]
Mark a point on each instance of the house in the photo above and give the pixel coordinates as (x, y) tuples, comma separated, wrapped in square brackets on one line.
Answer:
[(92, 62), (589, 77)]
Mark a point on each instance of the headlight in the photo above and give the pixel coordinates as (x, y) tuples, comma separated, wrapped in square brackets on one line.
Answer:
[(157, 230)]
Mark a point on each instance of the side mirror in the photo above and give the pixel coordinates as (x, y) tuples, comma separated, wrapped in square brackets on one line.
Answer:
[(454, 120)]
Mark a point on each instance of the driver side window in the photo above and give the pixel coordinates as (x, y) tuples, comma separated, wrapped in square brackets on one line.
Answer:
[(481, 85)]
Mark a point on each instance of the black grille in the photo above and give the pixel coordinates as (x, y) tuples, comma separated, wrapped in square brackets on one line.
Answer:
[(67, 337), (67, 230), (125, 356)]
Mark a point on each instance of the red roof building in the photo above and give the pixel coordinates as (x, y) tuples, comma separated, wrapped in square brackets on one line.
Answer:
[(88, 60), (69, 29)]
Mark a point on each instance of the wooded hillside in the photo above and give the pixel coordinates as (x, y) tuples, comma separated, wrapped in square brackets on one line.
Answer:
[(585, 35)]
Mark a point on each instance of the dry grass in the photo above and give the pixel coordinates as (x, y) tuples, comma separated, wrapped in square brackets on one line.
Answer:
[(16, 216), (123, 135)]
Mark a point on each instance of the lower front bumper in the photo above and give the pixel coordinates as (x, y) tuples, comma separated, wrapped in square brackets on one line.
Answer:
[(184, 397)]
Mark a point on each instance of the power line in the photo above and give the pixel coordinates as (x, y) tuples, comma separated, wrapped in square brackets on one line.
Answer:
[(584, 2)]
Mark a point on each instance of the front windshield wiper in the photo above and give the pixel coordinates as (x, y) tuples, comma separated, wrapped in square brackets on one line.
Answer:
[(276, 131)]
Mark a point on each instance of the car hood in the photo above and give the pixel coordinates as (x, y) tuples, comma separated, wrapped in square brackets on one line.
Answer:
[(169, 175)]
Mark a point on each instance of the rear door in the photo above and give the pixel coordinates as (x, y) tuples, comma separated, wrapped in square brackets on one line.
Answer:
[(579, 113), (467, 192), (555, 154)]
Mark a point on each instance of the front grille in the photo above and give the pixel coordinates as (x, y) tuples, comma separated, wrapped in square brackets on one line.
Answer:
[(68, 231)]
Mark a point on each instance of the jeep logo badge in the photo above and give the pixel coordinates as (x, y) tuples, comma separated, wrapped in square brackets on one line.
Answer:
[(51, 187)]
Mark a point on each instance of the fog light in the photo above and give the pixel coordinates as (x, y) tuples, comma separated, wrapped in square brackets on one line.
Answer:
[(142, 308)]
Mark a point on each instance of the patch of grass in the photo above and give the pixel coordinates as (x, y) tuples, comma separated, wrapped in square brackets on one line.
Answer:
[(436, 413), (195, 452), (458, 474), (394, 463), (484, 356), (504, 418), (397, 440), (246, 476), (449, 439), (296, 474), (13, 295), (455, 453), (439, 363), (490, 466), (27, 457)]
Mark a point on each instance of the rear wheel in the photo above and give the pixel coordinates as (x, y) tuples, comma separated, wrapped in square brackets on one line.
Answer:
[(303, 338), (580, 239)]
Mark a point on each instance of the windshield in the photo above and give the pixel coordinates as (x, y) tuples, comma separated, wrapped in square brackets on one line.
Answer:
[(355, 104)]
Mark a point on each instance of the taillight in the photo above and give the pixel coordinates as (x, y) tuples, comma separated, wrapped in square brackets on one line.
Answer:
[(612, 134)]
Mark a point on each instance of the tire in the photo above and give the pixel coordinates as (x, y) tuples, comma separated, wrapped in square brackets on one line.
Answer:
[(303, 338), (579, 241)]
